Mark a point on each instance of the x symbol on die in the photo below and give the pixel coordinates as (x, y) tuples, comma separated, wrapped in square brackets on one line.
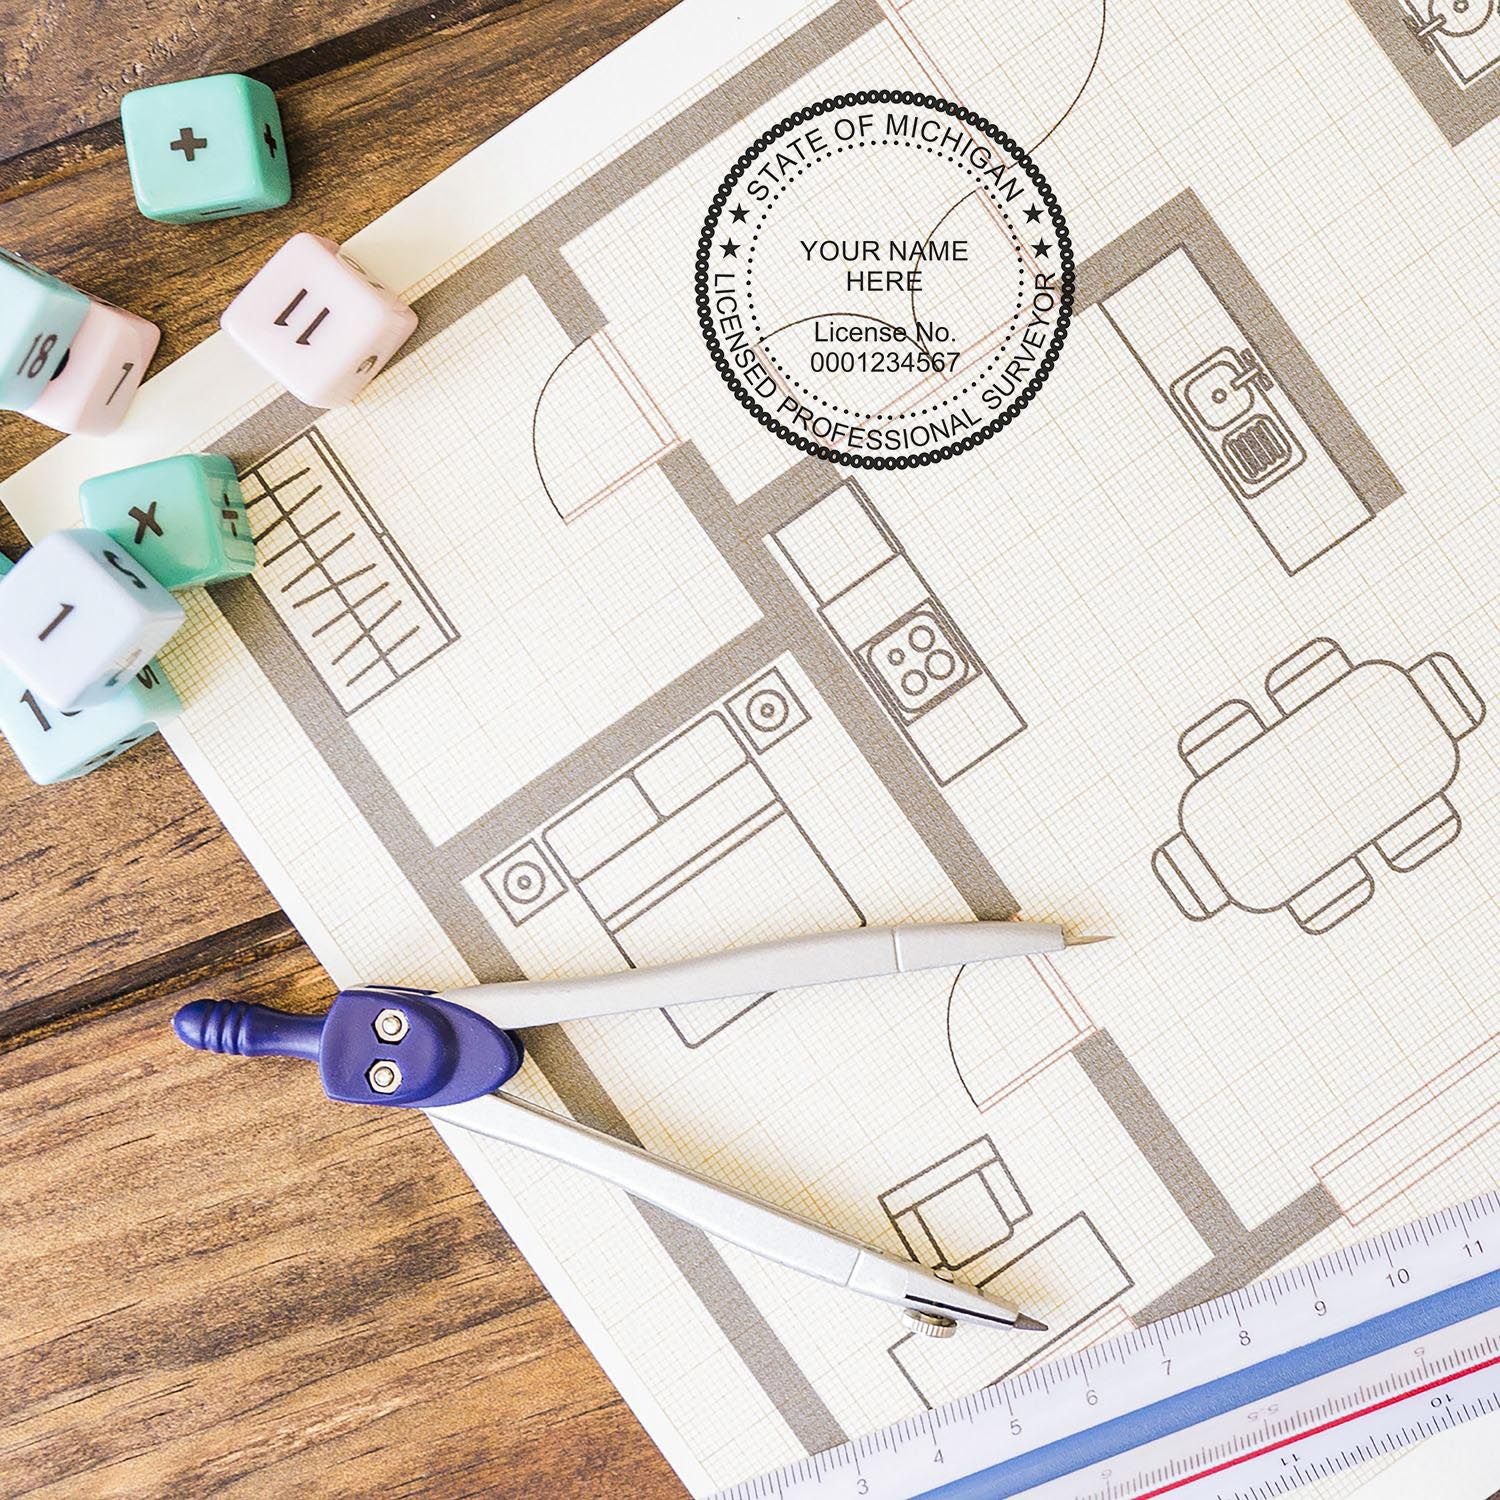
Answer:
[(145, 520)]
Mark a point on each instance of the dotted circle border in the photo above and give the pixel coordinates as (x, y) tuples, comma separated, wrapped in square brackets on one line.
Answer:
[(802, 117), (977, 375)]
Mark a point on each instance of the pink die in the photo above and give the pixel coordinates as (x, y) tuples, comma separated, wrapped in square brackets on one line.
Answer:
[(101, 372), (317, 322)]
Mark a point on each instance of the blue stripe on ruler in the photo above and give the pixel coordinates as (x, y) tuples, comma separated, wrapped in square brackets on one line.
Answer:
[(1240, 1388)]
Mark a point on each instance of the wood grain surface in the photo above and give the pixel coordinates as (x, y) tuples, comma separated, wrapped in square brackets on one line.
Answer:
[(53, 87), (211, 1280), (215, 1280)]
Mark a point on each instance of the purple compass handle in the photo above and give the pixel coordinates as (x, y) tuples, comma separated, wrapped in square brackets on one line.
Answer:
[(376, 1046), (247, 1030)]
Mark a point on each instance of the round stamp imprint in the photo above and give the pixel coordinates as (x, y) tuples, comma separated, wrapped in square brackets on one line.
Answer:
[(884, 279)]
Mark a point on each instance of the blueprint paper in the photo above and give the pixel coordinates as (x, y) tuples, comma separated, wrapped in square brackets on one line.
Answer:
[(557, 660)]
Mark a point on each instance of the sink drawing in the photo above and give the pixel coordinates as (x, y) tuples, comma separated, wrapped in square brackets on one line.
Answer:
[(1465, 34), (1218, 391), (1447, 53), (1225, 403), (1235, 377), (1280, 814)]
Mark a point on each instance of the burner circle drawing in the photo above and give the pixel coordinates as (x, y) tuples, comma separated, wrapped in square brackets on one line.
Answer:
[(768, 710), (524, 881), (884, 279)]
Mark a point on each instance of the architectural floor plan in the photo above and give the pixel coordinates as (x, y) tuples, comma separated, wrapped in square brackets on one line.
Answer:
[(557, 662)]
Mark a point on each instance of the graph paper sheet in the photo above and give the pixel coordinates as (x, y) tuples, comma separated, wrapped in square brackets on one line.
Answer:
[(557, 662)]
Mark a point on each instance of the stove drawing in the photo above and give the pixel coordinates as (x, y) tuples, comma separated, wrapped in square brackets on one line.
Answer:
[(910, 651), (1225, 402), (920, 661)]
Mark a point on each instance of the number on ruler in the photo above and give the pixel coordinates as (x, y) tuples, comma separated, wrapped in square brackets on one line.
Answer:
[(1473, 1248), (1399, 1277)]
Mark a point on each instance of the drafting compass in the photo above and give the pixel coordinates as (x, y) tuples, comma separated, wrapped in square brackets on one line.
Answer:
[(449, 1054)]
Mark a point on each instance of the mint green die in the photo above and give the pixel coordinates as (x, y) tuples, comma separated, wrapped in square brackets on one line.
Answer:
[(182, 519), (205, 148), (38, 317), (56, 746)]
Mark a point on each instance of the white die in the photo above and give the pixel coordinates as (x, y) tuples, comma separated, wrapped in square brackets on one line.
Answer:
[(78, 615), (104, 367), (314, 319)]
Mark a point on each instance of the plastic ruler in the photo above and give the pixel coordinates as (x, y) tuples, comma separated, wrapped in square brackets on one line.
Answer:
[(1301, 1375)]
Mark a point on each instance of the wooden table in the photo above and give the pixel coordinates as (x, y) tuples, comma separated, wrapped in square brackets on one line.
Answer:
[(210, 1278)]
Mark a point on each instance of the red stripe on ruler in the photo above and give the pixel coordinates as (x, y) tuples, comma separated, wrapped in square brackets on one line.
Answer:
[(1364, 1411)]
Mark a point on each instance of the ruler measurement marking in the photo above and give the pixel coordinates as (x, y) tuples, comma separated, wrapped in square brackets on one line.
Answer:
[(1488, 1347), (1328, 1425), (1366, 1321)]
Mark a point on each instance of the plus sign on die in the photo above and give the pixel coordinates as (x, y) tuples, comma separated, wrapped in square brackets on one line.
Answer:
[(79, 616), (205, 148), (189, 144)]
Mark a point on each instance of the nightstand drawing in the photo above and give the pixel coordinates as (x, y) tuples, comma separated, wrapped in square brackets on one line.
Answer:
[(1282, 814)]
